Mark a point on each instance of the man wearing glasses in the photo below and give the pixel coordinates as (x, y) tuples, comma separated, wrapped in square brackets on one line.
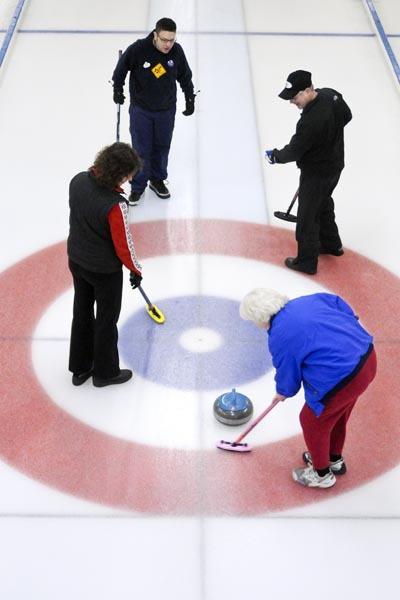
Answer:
[(155, 63)]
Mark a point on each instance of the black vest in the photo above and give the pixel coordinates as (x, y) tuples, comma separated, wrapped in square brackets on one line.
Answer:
[(89, 242)]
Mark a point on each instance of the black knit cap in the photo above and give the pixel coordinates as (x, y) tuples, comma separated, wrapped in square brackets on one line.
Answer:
[(296, 82)]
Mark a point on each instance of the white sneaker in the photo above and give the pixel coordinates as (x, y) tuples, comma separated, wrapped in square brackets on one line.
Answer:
[(338, 467), (310, 478)]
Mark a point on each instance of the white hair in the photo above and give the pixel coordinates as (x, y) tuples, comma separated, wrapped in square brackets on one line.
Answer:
[(261, 304)]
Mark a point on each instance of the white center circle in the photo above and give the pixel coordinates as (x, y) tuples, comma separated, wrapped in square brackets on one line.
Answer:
[(200, 339)]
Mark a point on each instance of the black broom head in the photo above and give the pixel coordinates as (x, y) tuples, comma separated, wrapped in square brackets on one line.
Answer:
[(285, 216)]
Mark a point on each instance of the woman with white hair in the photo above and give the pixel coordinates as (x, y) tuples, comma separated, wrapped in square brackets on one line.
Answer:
[(316, 341)]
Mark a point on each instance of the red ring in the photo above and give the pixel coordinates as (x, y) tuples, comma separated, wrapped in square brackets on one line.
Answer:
[(46, 443)]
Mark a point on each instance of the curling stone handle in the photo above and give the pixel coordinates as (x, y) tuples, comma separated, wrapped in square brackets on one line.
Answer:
[(234, 404)]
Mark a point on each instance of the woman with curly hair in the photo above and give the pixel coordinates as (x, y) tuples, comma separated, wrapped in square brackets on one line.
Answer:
[(99, 243)]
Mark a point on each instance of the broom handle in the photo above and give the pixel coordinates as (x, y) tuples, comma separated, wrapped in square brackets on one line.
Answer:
[(119, 106), (292, 202), (141, 290), (118, 122), (256, 421)]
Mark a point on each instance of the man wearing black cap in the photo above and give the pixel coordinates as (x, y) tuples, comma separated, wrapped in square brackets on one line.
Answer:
[(318, 149)]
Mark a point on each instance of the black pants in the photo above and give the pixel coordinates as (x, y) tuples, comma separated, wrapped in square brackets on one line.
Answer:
[(316, 224), (94, 338)]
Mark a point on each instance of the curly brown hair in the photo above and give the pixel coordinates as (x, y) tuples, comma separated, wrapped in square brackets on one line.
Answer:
[(113, 163)]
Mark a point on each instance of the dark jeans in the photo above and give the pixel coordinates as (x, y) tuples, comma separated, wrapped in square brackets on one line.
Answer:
[(316, 224), (94, 338), (151, 133)]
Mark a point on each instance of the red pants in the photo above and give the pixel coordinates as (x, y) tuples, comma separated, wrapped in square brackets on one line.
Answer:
[(326, 434)]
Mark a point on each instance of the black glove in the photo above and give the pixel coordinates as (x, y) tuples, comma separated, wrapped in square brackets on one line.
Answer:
[(135, 279), (118, 96), (189, 106)]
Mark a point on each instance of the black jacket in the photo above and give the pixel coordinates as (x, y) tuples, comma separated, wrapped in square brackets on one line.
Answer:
[(90, 243), (318, 145), (153, 74)]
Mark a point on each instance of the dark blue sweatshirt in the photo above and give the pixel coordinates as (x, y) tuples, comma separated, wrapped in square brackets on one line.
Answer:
[(153, 74)]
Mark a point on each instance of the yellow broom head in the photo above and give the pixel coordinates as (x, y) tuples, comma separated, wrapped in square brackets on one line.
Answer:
[(155, 313)]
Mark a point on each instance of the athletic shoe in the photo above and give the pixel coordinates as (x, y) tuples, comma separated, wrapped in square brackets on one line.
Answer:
[(338, 467), (124, 375), (292, 263), (134, 198), (159, 188), (79, 378), (310, 478), (337, 252)]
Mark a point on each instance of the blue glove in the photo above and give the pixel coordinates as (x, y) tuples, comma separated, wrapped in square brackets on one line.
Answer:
[(269, 155)]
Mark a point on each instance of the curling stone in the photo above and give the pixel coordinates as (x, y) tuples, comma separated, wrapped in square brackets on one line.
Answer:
[(233, 408)]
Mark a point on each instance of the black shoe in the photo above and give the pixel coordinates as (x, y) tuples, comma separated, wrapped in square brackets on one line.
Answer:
[(338, 252), (79, 378), (292, 263), (159, 188), (134, 198), (124, 375)]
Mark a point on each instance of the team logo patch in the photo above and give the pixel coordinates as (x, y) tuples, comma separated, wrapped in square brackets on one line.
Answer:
[(146, 65), (158, 71)]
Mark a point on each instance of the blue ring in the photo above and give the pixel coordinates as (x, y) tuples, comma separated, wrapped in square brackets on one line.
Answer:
[(154, 351)]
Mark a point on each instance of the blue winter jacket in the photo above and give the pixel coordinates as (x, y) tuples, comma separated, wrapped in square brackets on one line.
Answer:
[(316, 341)]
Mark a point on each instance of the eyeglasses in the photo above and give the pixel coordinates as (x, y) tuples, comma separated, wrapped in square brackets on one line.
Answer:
[(166, 40)]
